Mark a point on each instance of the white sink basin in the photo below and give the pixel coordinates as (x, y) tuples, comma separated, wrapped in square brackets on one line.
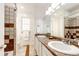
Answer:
[(64, 48)]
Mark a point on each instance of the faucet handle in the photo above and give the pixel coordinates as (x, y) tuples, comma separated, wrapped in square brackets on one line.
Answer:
[(64, 41), (69, 42)]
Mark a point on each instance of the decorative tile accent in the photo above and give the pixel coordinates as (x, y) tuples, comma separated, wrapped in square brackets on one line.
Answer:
[(9, 25), (10, 45), (72, 27), (9, 28), (6, 36)]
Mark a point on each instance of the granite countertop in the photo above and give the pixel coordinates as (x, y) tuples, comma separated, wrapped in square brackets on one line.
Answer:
[(45, 40)]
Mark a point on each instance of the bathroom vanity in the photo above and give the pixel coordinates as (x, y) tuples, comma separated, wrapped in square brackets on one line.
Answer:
[(44, 48)]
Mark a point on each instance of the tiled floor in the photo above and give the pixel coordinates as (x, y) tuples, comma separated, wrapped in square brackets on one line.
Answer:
[(32, 51), (27, 50), (20, 51)]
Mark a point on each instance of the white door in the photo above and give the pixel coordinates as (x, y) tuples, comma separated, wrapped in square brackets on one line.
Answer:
[(1, 29)]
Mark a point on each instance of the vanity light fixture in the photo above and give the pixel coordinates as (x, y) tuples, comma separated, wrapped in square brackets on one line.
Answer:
[(52, 7), (58, 7), (52, 10), (49, 9), (48, 13), (62, 4)]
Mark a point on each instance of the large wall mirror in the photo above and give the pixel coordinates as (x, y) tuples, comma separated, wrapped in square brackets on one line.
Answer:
[(72, 27)]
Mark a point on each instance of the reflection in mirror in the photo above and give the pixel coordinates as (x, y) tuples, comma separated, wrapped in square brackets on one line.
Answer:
[(72, 28)]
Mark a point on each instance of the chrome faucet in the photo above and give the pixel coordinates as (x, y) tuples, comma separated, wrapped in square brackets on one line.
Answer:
[(66, 41), (69, 42)]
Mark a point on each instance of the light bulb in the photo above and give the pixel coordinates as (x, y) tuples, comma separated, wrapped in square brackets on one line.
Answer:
[(57, 7), (49, 9)]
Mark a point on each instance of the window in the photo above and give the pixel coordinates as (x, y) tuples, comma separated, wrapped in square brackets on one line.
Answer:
[(25, 24)]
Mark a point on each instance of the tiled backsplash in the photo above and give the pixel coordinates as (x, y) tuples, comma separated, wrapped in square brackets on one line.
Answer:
[(9, 28), (72, 28), (72, 35)]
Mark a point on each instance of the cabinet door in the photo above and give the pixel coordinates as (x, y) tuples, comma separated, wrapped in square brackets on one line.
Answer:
[(43, 50), (48, 53), (39, 48), (36, 45)]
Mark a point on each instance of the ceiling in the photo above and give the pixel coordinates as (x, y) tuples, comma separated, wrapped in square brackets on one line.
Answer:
[(36, 9)]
